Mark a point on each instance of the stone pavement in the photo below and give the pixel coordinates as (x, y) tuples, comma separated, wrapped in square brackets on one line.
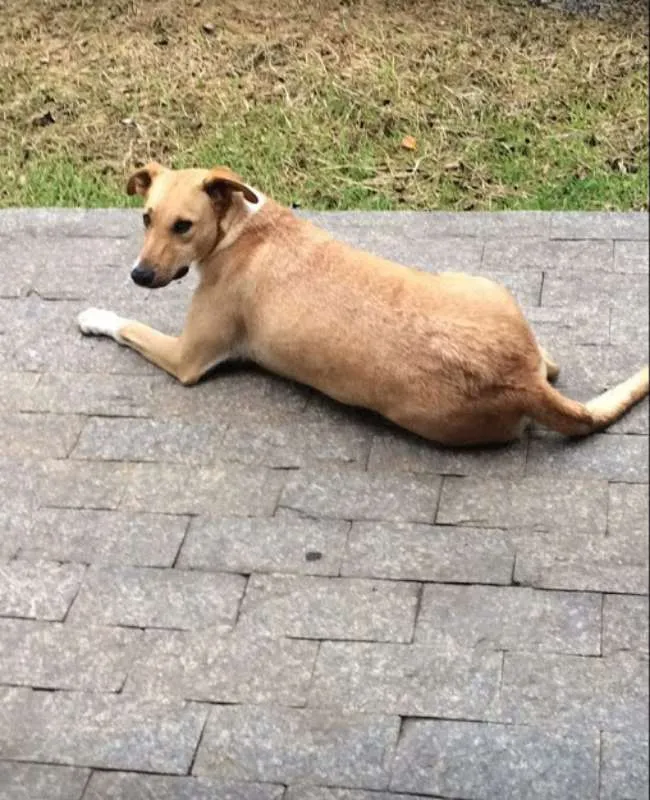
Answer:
[(242, 591)]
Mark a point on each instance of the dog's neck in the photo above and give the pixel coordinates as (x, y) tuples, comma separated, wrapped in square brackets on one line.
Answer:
[(242, 221), (237, 216)]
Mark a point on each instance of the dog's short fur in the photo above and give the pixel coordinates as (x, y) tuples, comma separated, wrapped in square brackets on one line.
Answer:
[(447, 356)]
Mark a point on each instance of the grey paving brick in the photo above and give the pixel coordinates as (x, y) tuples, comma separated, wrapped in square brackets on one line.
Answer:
[(556, 529), (295, 444), (232, 669), (103, 537), (428, 553), (589, 370), (165, 311), (158, 598), (301, 546), (607, 693), (70, 254), (631, 256), (232, 393), (598, 289), (17, 279), (541, 504), (408, 680), (625, 624), (588, 561), (325, 410), (629, 329), (624, 766), (45, 337), (112, 395), (574, 325), (359, 495), (509, 618), (41, 782), (12, 529), (38, 435), (500, 224), (420, 224), (598, 225), (322, 793), (76, 484), (222, 488), (526, 287), (166, 441), (635, 421), (77, 222), (131, 786), (582, 561), (25, 319), (459, 254), (613, 457), (110, 283), (54, 656), (318, 608), (38, 591), (16, 389), (483, 762), (99, 730), (627, 514), (19, 482), (549, 255), (53, 351), (394, 451), (304, 746)]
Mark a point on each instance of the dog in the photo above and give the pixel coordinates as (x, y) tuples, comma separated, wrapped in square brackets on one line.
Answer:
[(447, 356)]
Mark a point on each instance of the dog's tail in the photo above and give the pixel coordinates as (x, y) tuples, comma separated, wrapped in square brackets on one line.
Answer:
[(559, 413)]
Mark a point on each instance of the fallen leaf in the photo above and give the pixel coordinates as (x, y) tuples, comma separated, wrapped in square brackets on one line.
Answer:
[(44, 120), (409, 143), (208, 27)]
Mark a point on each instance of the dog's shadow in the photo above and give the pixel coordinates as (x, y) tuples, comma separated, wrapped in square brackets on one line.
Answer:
[(318, 407)]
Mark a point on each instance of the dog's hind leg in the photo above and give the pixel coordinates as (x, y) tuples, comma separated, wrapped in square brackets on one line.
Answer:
[(552, 369)]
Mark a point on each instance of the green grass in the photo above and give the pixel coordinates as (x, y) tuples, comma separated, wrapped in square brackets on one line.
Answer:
[(511, 106)]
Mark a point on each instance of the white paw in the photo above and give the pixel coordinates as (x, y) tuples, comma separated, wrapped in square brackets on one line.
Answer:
[(98, 322)]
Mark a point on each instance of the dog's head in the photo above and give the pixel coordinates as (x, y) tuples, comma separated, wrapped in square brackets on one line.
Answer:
[(183, 215)]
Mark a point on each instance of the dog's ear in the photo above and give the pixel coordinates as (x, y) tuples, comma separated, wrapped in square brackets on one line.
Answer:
[(140, 182), (221, 182)]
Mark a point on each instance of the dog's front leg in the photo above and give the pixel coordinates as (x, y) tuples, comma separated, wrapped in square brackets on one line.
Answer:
[(160, 349), (183, 357)]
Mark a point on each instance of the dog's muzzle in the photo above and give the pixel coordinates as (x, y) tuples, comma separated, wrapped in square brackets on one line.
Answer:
[(144, 275)]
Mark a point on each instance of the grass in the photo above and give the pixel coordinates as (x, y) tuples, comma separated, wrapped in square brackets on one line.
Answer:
[(511, 105)]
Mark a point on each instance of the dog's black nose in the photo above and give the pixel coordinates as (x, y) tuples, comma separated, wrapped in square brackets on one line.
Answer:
[(143, 276)]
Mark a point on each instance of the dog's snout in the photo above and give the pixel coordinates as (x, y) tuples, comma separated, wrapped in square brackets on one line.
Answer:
[(143, 275)]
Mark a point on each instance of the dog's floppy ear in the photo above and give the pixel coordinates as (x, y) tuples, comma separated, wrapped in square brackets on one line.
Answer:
[(222, 181), (140, 182)]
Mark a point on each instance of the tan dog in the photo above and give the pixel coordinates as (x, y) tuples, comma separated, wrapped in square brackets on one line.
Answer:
[(447, 356)]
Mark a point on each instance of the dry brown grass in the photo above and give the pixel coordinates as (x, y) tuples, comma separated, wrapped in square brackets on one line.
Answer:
[(511, 106)]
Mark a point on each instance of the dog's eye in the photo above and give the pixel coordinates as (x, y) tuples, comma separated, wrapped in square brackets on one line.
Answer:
[(181, 226), (146, 218)]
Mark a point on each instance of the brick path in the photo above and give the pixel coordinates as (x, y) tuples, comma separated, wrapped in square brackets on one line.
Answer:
[(243, 591)]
